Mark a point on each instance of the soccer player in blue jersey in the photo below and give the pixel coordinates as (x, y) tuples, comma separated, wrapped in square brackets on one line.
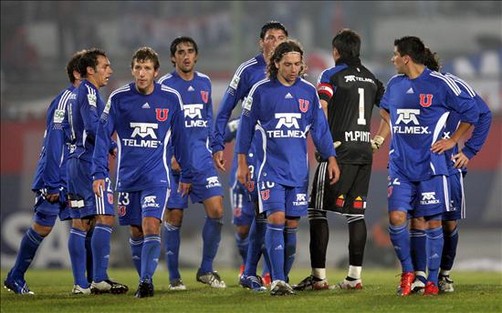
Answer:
[(195, 91), (250, 226), (348, 92), (83, 110), (147, 118), (283, 108), (416, 104), (49, 184), (457, 161)]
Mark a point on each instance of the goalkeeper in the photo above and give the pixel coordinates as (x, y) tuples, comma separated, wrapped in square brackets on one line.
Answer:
[(348, 92)]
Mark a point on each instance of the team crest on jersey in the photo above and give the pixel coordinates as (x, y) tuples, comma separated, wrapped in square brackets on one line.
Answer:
[(359, 203), (250, 186), (426, 100), (161, 114), (121, 210), (304, 105), (110, 197), (265, 194), (389, 191), (340, 201), (204, 95)]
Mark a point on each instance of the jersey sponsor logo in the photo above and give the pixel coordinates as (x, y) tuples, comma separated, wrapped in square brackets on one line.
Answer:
[(290, 121), (204, 95), (429, 198), (301, 199), (58, 116), (357, 135), (304, 105), (426, 100), (150, 202), (194, 113), (212, 182), (354, 78), (142, 130), (407, 116), (161, 114)]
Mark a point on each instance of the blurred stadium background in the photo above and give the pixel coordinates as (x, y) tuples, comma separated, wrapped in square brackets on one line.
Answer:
[(39, 36)]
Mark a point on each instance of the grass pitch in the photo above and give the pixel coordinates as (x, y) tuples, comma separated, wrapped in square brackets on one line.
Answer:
[(474, 292)]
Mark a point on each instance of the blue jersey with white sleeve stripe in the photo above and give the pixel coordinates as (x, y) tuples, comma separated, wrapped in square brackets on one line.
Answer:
[(418, 111), (283, 116), (146, 127), (50, 173), (481, 127)]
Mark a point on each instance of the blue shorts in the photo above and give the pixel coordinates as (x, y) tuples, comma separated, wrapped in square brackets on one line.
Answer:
[(274, 197), (46, 212), (83, 202), (457, 198), (205, 185), (419, 199), (133, 206), (243, 209)]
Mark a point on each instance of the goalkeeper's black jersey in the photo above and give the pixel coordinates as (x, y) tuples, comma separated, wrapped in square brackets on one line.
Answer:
[(351, 91)]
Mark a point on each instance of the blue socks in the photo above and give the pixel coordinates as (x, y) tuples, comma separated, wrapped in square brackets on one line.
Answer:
[(100, 243), (290, 252), (242, 245), (171, 238), (400, 237), (211, 237), (136, 245), (150, 256), (27, 249), (449, 249), (434, 251), (418, 243), (274, 241), (76, 248)]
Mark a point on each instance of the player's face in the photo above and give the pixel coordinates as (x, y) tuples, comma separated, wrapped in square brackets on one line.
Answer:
[(272, 38), (103, 71), (144, 74), (398, 61), (289, 68), (185, 57)]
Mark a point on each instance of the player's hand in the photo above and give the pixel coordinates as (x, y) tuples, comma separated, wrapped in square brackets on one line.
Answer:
[(184, 188), (175, 166), (443, 145), (376, 143), (219, 162), (333, 170), (98, 186), (244, 175), (113, 153), (460, 159)]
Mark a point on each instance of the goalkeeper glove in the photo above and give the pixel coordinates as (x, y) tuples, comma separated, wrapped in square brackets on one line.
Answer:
[(377, 142)]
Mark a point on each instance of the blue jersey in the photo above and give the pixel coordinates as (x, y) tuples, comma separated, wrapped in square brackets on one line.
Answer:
[(283, 116), (146, 127), (50, 173), (198, 113), (418, 111), (84, 109), (247, 74), (481, 127)]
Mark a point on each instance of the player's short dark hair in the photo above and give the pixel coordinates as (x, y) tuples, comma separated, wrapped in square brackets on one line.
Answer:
[(272, 25), (73, 65), (89, 58), (182, 39), (411, 46), (284, 47), (348, 43), (431, 60), (144, 54)]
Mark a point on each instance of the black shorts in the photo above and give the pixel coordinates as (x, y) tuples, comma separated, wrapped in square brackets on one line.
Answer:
[(347, 196)]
